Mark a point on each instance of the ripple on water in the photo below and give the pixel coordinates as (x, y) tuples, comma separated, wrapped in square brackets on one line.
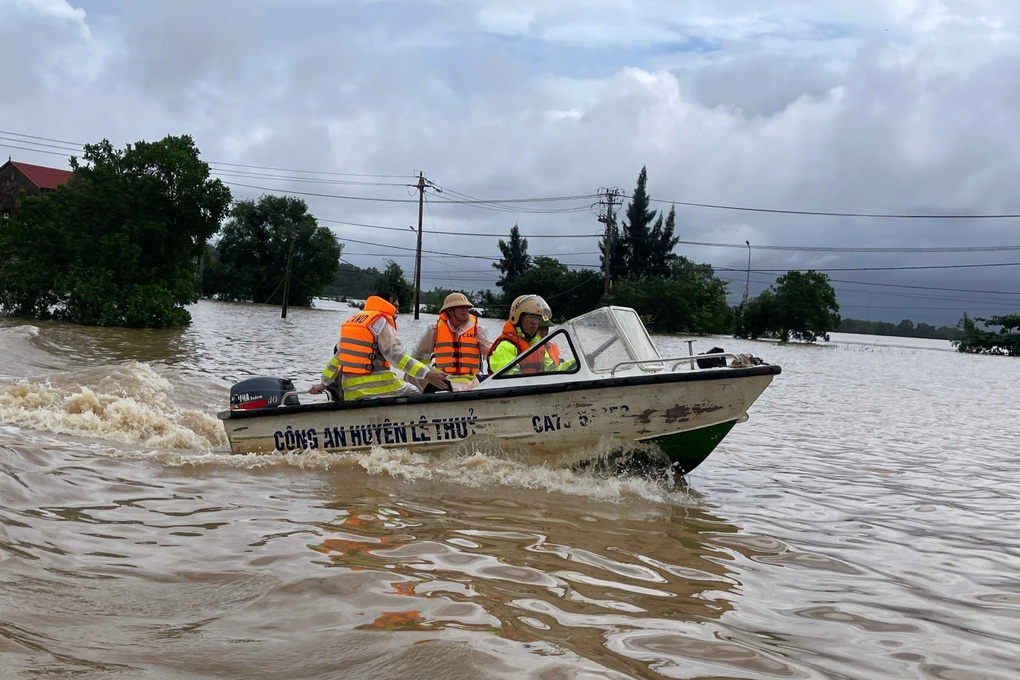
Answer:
[(696, 653)]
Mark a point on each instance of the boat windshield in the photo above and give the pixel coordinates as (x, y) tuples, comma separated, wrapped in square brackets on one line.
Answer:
[(611, 335)]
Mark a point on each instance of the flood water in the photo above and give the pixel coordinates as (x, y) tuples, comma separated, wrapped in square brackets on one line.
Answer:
[(862, 524)]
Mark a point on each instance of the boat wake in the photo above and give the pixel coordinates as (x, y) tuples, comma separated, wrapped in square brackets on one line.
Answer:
[(129, 403), (133, 411), (475, 470), (633, 460)]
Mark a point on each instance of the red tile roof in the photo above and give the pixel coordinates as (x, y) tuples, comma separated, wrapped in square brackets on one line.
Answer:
[(43, 177)]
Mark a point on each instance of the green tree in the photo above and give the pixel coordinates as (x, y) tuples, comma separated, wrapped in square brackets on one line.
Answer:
[(352, 282), (644, 246), (759, 317), (799, 305), (661, 257), (253, 252), (118, 245), (569, 293), (515, 260), (1004, 341), (635, 243), (392, 280), (432, 300), (691, 300), (904, 328)]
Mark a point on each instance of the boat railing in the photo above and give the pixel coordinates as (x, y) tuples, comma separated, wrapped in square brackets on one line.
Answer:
[(647, 365), (655, 365)]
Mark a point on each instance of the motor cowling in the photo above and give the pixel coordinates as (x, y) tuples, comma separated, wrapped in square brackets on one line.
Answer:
[(713, 362), (263, 392)]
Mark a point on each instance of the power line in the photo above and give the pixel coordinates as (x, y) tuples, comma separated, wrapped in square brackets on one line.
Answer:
[(45, 139), (451, 233), (822, 213), (51, 146), (318, 172), (52, 153), (819, 249), (835, 249), (877, 269), (902, 285), (318, 195), (307, 180), (464, 199)]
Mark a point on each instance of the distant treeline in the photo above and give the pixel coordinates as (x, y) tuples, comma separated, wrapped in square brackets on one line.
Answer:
[(903, 329), (353, 282)]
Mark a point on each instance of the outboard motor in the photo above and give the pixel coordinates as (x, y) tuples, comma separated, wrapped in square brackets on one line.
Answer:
[(262, 392)]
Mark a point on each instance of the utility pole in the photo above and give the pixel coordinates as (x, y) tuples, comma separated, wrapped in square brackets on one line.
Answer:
[(421, 186), (417, 253), (286, 276), (609, 219), (747, 283)]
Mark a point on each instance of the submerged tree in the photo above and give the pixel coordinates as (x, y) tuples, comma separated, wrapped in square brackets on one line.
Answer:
[(800, 305), (256, 244), (119, 244), (1004, 341)]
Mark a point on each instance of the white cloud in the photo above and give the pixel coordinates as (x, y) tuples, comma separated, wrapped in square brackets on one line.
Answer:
[(848, 106)]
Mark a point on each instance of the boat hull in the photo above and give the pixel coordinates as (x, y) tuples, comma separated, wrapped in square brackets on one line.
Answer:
[(685, 415)]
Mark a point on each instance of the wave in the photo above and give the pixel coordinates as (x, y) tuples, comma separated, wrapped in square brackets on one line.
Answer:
[(129, 403)]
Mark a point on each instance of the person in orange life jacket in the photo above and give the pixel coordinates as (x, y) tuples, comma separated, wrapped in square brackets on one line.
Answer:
[(554, 351), (521, 332), (456, 343), (370, 360)]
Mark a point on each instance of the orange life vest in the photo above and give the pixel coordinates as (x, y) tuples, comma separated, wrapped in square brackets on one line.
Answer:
[(457, 355), (358, 351), (534, 363), (554, 353)]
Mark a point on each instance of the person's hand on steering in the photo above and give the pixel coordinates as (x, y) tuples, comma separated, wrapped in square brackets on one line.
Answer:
[(438, 379)]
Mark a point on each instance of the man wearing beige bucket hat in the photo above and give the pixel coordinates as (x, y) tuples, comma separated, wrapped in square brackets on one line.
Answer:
[(457, 344)]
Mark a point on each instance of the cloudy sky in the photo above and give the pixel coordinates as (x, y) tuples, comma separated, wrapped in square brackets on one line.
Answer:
[(874, 140)]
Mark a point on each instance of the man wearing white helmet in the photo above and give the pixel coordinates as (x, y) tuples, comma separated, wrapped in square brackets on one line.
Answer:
[(457, 343), (521, 332)]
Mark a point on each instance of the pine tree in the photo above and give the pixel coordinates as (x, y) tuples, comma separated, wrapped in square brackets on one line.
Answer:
[(663, 241), (515, 259), (636, 242)]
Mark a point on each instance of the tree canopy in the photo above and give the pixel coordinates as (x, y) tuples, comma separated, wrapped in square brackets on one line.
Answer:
[(515, 260), (800, 305), (644, 245), (117, 245), (350, 281), (393, 280), (904, 329), (1006, 340), (569, 293), (691, 299), (255, 245)]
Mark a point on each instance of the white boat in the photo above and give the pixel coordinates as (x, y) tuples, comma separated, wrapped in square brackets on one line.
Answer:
[(612, 391)]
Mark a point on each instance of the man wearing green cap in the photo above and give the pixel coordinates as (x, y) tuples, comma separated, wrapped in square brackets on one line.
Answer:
[(551, 349)]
